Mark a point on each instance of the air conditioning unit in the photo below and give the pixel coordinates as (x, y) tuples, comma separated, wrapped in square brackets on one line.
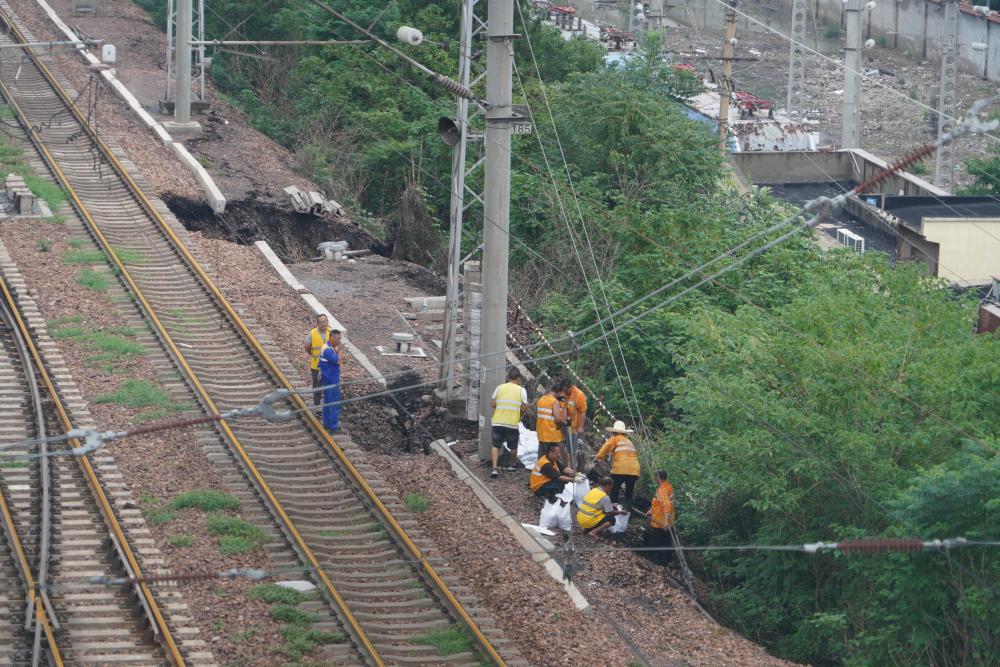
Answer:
[(851, 240)]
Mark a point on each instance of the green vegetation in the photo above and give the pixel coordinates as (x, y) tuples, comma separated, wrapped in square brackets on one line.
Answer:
[(181, 540), (52, 194), (130, 257), (8, 463), (300, 639), (158, 516), (298, 635), (93, 280), (140, 394), (43, 245), (84, 257), (803, 396), (236, 536), (110, 348), (881, 41), (78, 243), (6, 113), (919, 168), (273, 593), (831, 31), (55, 219), (333, 533), (205, 500), (447, 641), (415, 502)]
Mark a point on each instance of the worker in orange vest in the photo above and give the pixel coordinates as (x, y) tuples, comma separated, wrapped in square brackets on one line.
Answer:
[(624, 461), (576, 408), (548, 478), (550, 417), (662, 515)]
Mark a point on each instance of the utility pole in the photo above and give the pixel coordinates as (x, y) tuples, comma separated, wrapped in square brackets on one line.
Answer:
[(182, 123), (851, 127), (655, 18), (496, 223), (944, 165), (795, 105), (726, 84), (470, 28)]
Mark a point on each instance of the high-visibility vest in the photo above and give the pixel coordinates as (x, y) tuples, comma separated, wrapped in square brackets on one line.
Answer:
[(662, 513), (590, 513), (508, 410), (545, 425), (576, 404), (316, 342), (624, 458), (538, 479)]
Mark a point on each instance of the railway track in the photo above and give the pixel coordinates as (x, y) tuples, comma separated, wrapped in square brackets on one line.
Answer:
[(59, 526), (376, 579)]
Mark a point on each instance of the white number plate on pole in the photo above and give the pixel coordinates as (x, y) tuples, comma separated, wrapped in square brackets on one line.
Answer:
[(522, 128)]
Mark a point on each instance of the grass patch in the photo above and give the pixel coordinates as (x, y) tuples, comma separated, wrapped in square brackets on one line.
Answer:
[(53, 194), (374, 527), (831, 31), (130, 257), (55, 219), (919, 168), (6, 113), (14, 464), (447, 641), (272, 593), (83, 257), (181, 540), (209, 501), (416, 502), (78, 243), (291, 614), (299, 640), (43, 245), (146, 499), (236, 536), (158, 516), (139, 394), (92, 280)]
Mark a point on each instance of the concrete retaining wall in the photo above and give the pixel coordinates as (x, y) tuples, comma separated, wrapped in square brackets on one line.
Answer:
[(907, 25), (213, 195), (820, 166)]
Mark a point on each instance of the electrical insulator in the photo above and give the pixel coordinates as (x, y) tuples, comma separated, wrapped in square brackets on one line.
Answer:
[(982, 10), (869, 43), (409, 35), (870, 5), (979, 46)]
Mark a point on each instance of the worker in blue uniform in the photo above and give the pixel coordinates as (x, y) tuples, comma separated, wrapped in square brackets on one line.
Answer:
[(329, 367)]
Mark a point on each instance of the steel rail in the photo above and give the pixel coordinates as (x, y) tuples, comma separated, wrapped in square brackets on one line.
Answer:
[(111, 521), (355, 628), (332, 448), (42, 611)]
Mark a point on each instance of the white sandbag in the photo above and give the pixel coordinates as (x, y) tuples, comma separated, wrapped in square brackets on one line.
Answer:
[(556, 515), (527, 446), (621, 522), (580, 489)]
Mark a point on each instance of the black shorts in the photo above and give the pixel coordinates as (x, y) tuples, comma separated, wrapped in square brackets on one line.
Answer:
[(608, 519), (502, 434), (552, 488)]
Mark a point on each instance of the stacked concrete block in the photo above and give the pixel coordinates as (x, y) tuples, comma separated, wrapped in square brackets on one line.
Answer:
[(85, 7), (19, 195)]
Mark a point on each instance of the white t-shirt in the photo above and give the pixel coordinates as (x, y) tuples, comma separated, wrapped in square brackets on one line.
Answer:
[(524, 395), (524, 401)]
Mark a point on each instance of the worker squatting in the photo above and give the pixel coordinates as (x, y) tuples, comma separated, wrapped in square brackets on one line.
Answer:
[(560, 419)]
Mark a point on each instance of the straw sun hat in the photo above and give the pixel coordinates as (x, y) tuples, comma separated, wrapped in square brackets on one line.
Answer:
[(619, 427)]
